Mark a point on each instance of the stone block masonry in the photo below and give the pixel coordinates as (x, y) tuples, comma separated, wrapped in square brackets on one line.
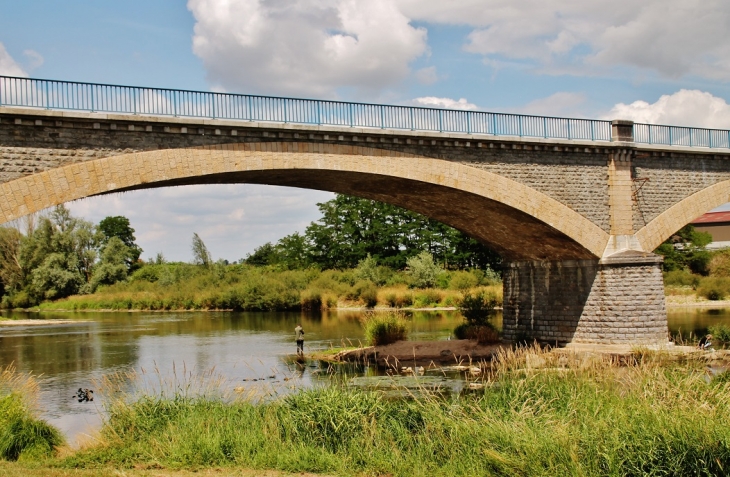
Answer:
[(613, 301)]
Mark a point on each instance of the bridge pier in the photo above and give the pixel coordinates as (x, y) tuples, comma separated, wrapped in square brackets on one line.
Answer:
[(616, 300)]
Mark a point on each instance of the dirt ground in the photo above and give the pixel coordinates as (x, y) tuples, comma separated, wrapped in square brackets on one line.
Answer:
[(13, 469), (423, 353)]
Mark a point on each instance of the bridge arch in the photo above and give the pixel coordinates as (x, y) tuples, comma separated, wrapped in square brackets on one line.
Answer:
[(680, 214), (516, 220)]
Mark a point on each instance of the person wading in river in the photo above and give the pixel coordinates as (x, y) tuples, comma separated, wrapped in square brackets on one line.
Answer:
[(300, 340)]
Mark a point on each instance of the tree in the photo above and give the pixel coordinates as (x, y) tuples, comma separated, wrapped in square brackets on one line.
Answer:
[(423, 270), (686, 250), (118, 226), (351, 228), (112, 266), (201, 256)]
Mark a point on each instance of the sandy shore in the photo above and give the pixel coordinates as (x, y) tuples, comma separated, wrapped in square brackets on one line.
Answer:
[(38, 322)]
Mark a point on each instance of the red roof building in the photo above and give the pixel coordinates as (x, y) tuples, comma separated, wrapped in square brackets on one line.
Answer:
[(716, 224)]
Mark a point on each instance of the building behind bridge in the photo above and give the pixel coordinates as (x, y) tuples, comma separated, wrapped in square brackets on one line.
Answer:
[(716, 224)]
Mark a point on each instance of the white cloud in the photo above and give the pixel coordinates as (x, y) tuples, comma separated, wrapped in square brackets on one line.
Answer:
[(683, 108), (671, 37), (232, 219), (446, 103), (427, 75), (559, 104), (33, 59), (304, 47), (8, 66)]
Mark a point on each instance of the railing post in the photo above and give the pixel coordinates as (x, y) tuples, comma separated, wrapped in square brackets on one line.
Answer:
[(544, 127), (286, 111), (494, 124), (134, 100), (622, 130), (441, 120), (690, 136), (709, 137), (250, 108), (351, 115), (47, 97), (468, 122), (519, 122), (92, 98), (319, 113), (174, 103), (650, 138), (212, 100), (413, 126), (593, 130), (569, 138), (382, 117), (670, 136)]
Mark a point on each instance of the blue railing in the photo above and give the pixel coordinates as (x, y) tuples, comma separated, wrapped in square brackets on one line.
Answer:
[(69, 95), (51, 94), (681, 136)]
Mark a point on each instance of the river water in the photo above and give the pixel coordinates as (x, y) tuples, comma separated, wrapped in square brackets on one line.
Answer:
[(246, 350)]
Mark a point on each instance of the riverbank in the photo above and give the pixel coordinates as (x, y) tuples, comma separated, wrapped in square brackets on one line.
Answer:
[(657, 415)]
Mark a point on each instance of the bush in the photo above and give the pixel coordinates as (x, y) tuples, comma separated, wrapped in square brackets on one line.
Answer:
[(477, 307), (427, 297), (311, 300), (681, 278), (714, 288), (719, 265), (720, 333), (423, 270), (385, 328), (462, 280), (369, 295)]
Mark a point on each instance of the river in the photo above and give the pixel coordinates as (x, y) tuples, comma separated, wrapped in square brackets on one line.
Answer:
[(251, 350)]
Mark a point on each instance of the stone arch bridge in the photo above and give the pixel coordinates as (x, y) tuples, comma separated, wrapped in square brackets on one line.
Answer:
[(576, 221)]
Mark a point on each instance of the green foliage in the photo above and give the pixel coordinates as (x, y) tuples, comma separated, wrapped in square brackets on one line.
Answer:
[(423, 270), (720, 263), (384, 328), (483, 334), (686, 250), (120, 228), (201, 255), (463, 280), (477, 307), (714, 288), (681, 278), (720, 333)]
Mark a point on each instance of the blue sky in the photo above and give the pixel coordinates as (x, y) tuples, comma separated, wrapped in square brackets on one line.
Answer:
[(661, 61)]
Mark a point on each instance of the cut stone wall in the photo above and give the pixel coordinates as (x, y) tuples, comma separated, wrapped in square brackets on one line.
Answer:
[(617, 300)]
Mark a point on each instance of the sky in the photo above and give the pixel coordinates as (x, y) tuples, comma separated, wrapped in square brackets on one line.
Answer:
[(657, 61)]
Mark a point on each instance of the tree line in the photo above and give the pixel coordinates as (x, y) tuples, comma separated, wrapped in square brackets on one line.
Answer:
[(352, 229), (54, 256)]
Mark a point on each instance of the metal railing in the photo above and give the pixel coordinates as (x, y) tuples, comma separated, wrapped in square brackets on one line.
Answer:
[(681, 136), (51, 94)]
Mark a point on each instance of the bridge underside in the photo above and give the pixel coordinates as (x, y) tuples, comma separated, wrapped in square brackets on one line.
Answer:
[(513, 233)]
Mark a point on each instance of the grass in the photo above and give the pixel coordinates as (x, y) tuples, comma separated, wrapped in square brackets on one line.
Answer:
[(657, 417), (22, 434), (383, 328)]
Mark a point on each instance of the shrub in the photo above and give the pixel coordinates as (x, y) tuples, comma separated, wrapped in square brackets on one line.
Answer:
[(477, 307), (369, 295), (682, 278), (406, 299), (462, 280), (427, 297), (367, 269), (719, 265), (391, 299), (714, 288), (311, 300), (423, 270), (385, 328), (720, 333)]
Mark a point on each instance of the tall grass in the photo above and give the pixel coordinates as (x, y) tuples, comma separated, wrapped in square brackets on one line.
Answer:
[(541, 414), (383, 328), (22, 434)]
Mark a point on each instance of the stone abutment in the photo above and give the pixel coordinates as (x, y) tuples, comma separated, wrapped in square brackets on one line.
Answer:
[(616, 300)]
